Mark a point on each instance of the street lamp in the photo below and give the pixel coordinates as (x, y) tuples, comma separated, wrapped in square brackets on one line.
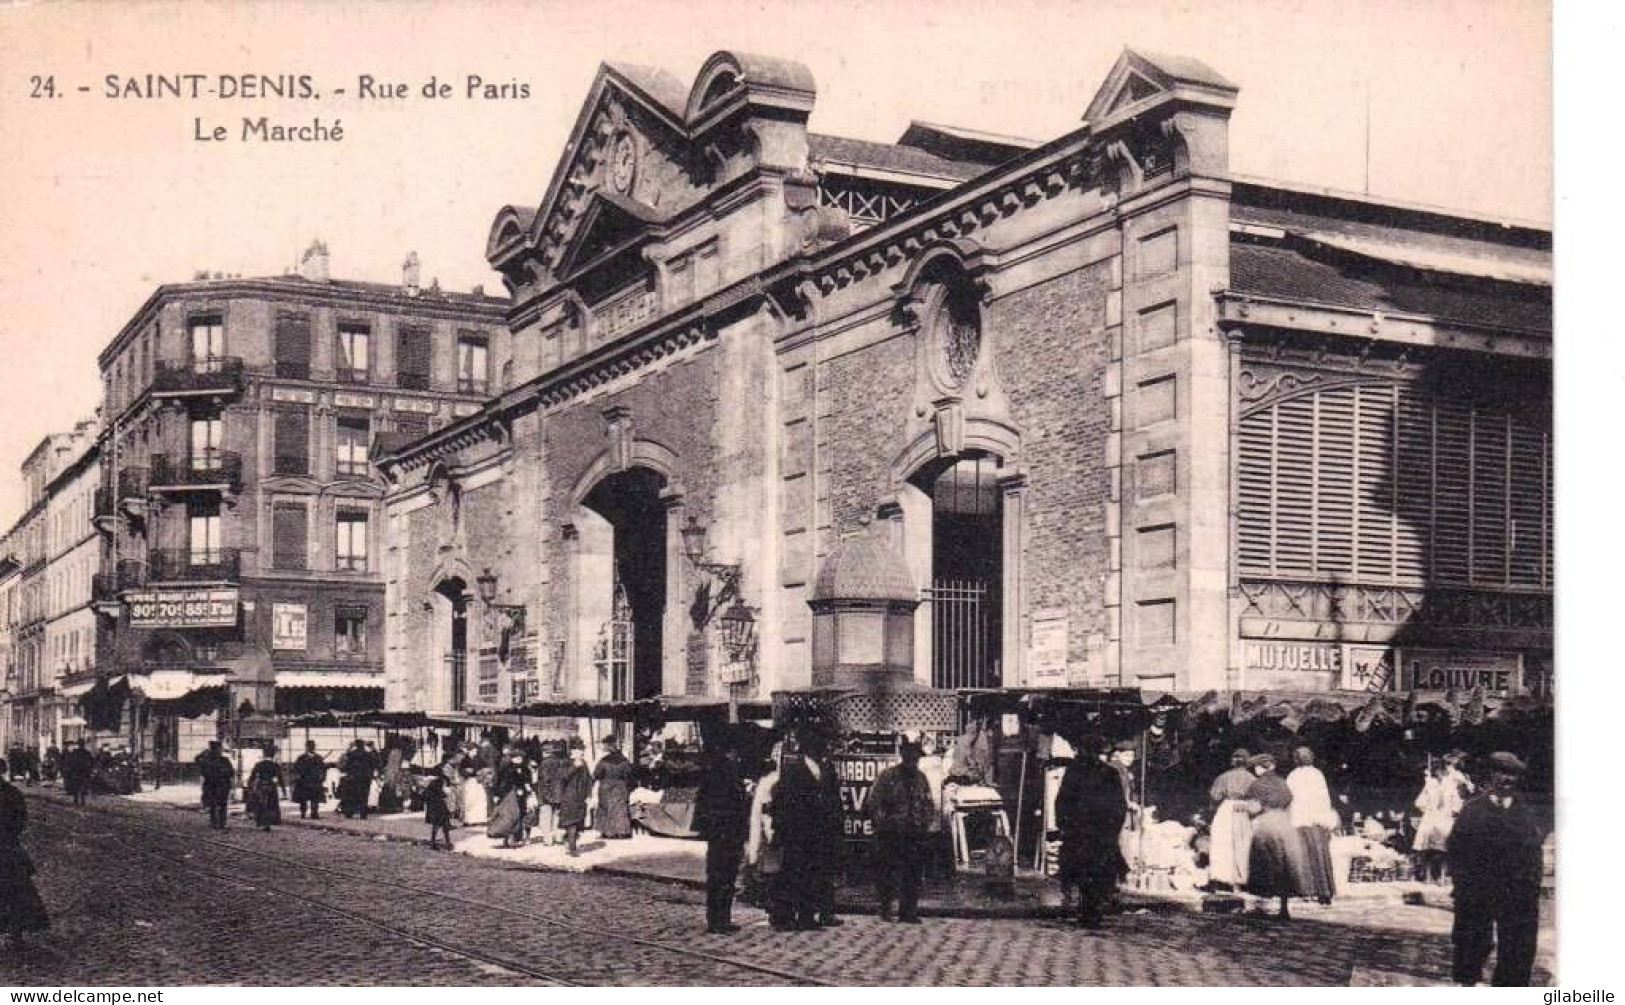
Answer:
[(487, 584), (739, 632)]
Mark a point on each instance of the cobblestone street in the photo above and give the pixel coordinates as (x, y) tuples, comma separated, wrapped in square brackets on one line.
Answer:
[(144, 895)]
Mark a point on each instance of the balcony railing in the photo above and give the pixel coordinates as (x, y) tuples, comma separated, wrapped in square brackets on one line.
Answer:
[(187, 565), (290, 370), (212, 469), (103, 587), (350, 375), (105, 508), (413, 381), (473, 385), (132, 484), (209, 375), (131, 574)]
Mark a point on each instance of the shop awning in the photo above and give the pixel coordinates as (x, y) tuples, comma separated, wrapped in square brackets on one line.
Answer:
[(665, 708), (173, 685), (305, 679)]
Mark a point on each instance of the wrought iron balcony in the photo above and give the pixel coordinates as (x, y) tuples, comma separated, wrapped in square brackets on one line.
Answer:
[(187, 565), (132, 484), (413, 381), (103, 587), (210, 375), (473, 385), (216, 470), (105, 513), (350, 375), (131, 574)]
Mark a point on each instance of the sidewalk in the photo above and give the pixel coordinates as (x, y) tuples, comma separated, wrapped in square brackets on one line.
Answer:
[(1405, 905)]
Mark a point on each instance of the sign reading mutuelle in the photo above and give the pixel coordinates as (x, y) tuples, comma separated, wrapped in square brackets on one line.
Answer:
[(1294, 656), (183, 608)]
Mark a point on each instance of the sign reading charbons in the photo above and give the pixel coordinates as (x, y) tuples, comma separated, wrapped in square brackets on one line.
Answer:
[(183, 608)]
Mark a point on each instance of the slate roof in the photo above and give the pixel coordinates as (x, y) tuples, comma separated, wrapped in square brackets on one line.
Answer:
[(1285, 272), (887, 157), (426, 295)]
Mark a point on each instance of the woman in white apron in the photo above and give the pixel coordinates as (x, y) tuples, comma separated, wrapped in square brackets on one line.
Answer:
[(1231, 835), (476, 800)]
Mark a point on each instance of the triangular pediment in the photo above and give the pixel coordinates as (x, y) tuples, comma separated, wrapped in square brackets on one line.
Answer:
[(610, 223), (1140, 80), (626, 140)]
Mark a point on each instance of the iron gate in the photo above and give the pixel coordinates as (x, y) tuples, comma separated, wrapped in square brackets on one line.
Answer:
[(962, 642), (612, 653)]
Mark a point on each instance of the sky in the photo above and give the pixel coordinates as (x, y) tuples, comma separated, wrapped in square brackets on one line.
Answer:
[(105, 198)]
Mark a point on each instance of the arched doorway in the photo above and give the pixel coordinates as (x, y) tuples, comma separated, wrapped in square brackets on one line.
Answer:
[(451, 615), (965, 592), (623, 577)]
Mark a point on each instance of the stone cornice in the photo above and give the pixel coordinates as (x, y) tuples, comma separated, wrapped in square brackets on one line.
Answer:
[(493, 310)]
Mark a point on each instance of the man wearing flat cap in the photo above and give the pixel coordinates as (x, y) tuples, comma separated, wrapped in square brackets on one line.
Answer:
[(903, 812), (1495, 859)]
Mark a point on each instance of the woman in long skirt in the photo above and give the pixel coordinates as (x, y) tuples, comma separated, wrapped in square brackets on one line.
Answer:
[(1231, 834), (614, 776), (1275, 863), (1316, 821), (265, 786), (21, 909), (1440, 803)]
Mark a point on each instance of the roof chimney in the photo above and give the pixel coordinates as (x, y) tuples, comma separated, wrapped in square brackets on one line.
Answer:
[(410, 274), (313, 266)]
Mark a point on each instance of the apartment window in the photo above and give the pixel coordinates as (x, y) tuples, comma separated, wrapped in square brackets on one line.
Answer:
[(473, 362), (350, 631), (289, 530), (207, 437), (204, 534), (351, 552), (355, 353), (354, 433), (293, 346), (208, 344), (412, 358), (292, 435)]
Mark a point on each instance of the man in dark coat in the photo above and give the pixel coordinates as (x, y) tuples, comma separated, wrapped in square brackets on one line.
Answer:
[(1089, 812), (829, 843), (799, 832), (722, 817), (357, 768), (1496, 861), (903, 812), (574, 792), (550, 773), (219, 774), (78, 765), (310, 781), (21, 909)]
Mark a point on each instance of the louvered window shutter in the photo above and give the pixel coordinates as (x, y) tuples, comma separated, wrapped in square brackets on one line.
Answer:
[(413, 360), (293, 346), (293, 442), (1385, 483), (288, 536)]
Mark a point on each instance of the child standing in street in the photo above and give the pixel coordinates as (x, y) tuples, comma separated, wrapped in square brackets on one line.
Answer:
[(436, 811)]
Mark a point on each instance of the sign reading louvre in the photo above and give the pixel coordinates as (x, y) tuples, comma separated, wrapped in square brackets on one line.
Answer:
[(183, 608)]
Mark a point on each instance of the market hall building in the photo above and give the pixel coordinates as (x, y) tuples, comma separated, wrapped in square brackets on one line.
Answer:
[(1120, 418), (238, 510)]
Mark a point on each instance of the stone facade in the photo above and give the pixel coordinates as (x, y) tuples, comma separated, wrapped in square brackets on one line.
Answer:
[(1021, 362), (239, 419)]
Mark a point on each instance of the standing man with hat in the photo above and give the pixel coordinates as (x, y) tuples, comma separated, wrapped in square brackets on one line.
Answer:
[(1089, 813), (1495, 859), (722, 817), (219, 774), (903, 812)]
